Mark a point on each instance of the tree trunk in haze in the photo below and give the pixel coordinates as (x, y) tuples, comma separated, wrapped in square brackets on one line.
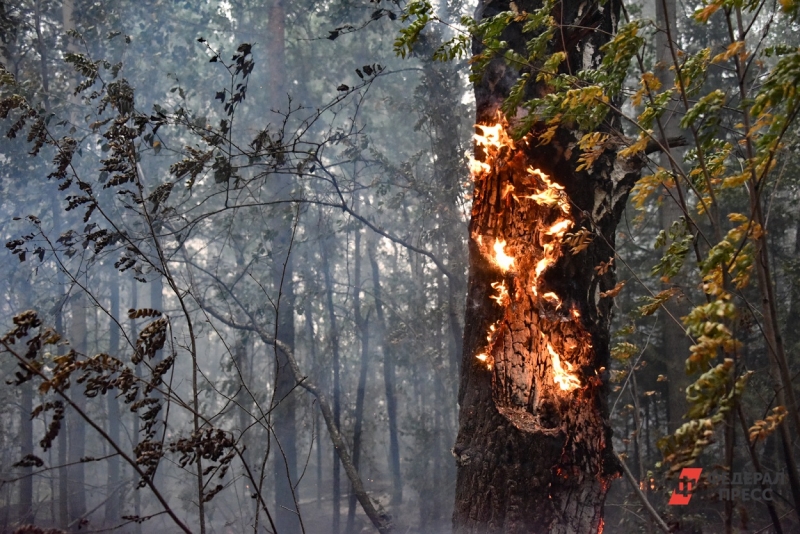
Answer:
[(362, 325), (285, 458), (388, 380), (112, 506), (76, 428), (26, 512), (534, 445), (334, 338), (675, 341), (63, 482), (283, 415), (137, 495)]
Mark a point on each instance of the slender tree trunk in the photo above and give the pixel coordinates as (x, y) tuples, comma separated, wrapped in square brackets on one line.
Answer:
[(137, 495), (534, 446), (76, 429), (26, 512), (334, 339), (675, 342), (388, 380), (244, 402), (26, 390), (112, 506), (285, 459), (63, 481), (362, 325), (283, 415)]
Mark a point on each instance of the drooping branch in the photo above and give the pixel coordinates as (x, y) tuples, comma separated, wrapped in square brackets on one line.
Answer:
[(91, 422)]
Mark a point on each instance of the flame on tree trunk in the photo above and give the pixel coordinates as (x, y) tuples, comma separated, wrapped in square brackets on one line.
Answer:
[(534, 444)]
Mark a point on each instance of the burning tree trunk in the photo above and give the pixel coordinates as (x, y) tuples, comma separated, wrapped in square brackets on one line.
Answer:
[(534, 445)]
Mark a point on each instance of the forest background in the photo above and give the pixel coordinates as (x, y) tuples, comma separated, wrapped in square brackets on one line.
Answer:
[(281, 202)]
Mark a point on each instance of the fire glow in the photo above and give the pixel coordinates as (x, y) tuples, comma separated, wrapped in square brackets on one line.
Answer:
[(502, 293), (503, 260), (534, 187), (564, 378)]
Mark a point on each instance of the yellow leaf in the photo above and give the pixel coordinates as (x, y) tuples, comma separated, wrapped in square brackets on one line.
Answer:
[(704, 14), (732, 50), (614, 291), (648, 83), (547, 136), (735, 181), (636, 147)]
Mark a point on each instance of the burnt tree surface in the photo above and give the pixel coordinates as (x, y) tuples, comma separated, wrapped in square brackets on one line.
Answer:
[(534, 449)]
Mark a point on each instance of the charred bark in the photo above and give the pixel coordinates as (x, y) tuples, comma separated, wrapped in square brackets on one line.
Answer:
[(534, 447)]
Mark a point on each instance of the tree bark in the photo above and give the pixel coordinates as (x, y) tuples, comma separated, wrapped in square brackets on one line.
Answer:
[(534, 448), (76, 429), (388, 379), (63, 481), (362, 325), (334, 338), (137, 495), (285, 459), (283, 414), (675, 341), (112, 506)]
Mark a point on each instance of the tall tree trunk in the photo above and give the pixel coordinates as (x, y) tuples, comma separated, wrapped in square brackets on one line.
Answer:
[(285, 460), (63, 481), (675, 342), (388, 379), (137, 495), (76, 429), (26, 513), (244, 405), (156, 287), (112, 506), (312, 352), (534, 445), (362, 325), (334, 339), (283, 416)]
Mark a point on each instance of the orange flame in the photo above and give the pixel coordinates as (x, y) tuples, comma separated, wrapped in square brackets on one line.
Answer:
[(503, 260), (565, 380), (494, 137), (497, 146), (477, 167), (553, 194), (502, 293), (485, 358)]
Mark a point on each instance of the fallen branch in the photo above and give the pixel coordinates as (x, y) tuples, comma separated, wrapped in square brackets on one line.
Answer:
[(642, 497)]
